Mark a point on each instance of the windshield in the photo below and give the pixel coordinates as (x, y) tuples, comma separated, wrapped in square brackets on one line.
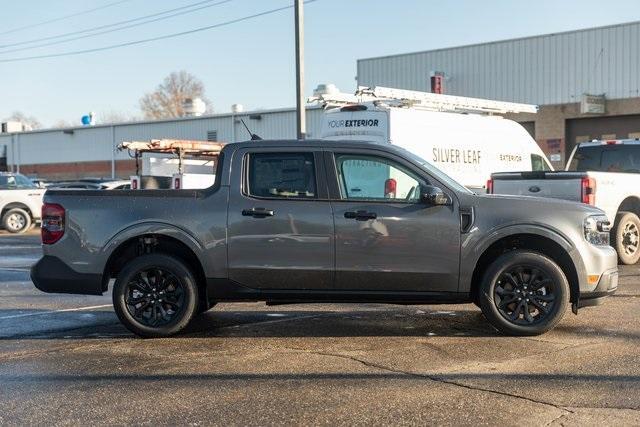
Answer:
[(441, 176), (607, 158), (17, 181)]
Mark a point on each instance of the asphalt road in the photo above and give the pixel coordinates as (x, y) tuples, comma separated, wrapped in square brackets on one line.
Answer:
[(66, 360)]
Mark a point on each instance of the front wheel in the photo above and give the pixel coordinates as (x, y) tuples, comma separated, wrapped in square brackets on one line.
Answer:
[(626, 237), (524, 293), (155, 295)]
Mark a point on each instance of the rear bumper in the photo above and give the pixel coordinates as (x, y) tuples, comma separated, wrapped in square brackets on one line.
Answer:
[(608, 285), (51, 275)]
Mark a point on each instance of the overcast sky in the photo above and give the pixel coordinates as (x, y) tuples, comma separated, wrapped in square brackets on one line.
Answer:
[(250, 62)]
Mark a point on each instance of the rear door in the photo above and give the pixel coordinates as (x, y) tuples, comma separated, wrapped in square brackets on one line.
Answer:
[(387, 239), (280, 224)]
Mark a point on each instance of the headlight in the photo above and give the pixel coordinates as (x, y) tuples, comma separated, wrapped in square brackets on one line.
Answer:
[(596, 230)]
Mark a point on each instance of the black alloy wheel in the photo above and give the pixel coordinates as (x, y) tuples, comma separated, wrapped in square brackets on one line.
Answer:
[(524, 295), (155, 297)]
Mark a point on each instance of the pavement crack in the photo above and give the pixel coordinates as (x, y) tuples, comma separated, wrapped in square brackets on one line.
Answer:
[(436, 379)]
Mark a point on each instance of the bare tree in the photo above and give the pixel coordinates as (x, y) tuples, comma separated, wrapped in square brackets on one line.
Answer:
[(166, 100), (30, 122), (113, 116), (61, 124)]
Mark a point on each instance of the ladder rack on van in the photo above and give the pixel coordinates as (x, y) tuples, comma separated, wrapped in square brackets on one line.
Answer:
[(424, 100)]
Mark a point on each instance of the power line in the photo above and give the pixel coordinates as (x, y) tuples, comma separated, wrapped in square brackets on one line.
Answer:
[(84, 12), (119, 28), (163, 37), (114, 24)]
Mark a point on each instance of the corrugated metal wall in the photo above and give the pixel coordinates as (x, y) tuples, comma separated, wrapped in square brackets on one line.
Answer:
[(548, 69), (96, 143)]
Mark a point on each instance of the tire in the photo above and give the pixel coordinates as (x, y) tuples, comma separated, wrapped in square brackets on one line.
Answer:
[(625, 237), (16, 221), (534, 278), (163, 304)]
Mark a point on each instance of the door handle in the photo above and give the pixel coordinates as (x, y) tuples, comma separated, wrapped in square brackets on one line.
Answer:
[(258, 212), (360, 215)]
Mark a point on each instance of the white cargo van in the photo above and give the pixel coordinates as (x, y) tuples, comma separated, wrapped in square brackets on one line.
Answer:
[(459, 135)]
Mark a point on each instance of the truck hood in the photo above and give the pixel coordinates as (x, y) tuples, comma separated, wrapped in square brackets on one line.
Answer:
[(534, 209)]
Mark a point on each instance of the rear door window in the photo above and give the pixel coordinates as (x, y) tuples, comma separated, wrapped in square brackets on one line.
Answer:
[(281, 175)]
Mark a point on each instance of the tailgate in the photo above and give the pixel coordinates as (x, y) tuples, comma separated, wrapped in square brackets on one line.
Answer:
[(559, 185)]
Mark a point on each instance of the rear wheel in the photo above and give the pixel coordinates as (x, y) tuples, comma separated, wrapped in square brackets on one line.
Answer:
[(155, 295), (16, 220), (626, 237), (524, 293)]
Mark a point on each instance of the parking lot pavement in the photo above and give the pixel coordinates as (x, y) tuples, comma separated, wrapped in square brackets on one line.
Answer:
[(66, 359)]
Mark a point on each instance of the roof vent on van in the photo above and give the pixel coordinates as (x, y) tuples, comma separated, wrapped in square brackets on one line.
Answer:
[(354, 107)]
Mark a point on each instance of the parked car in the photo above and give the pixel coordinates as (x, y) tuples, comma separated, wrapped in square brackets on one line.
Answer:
[(92, 185), (295, 222), (605, 174), (20, 202)]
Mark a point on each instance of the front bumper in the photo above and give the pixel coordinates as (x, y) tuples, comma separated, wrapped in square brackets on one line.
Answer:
[(52, 275), (607, 285)]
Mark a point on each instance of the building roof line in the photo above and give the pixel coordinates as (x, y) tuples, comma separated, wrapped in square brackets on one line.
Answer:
[(174, 119), (560, 33)]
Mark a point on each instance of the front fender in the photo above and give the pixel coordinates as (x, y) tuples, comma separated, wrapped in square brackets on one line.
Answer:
[(478, 242)]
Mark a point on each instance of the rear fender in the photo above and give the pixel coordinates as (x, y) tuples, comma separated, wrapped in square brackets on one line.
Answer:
[(157, 228)]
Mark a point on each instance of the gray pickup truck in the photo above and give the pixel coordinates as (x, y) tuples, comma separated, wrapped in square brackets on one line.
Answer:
[(325, 221)]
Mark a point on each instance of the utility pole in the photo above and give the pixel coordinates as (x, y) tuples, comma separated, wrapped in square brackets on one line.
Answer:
[(300, 101)]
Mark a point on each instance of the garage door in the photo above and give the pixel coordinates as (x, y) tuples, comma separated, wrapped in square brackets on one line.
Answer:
[(586, 129)]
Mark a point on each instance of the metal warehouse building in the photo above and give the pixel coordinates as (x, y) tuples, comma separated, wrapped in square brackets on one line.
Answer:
[(91, 150), (587, 82)]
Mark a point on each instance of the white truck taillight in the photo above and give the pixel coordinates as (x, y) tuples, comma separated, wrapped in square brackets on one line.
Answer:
[(52, 228), (135, 182), (176, 181), (588, 186), (390, 187), (490, 186)]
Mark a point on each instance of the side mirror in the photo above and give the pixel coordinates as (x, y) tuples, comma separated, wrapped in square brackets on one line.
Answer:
[(435, 196)]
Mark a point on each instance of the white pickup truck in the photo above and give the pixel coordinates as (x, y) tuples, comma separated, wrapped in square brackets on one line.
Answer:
[(605, 174), (20, 202)]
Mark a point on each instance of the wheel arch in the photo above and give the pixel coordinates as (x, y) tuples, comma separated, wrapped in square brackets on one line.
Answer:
[(630, 204), (153, 239), (16, 205), (555, 249)]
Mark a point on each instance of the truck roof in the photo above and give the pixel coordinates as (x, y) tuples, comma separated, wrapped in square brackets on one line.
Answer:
[(597, 142), (307, 143)]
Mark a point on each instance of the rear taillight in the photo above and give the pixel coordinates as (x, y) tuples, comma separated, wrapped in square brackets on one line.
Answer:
[(588, 190), (52, 228), (490, 186), (390, 187)]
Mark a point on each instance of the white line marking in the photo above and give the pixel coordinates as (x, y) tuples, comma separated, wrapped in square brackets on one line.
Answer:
[(15, 316)]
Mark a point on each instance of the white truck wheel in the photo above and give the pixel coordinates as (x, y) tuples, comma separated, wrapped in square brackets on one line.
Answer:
[(626, 237)]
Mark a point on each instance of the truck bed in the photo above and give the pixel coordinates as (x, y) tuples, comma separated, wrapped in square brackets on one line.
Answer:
[(559, 185)]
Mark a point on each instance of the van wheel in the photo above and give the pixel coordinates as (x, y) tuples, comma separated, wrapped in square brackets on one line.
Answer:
[(16, 220), (626, 237), (155, 295), (524, 293)]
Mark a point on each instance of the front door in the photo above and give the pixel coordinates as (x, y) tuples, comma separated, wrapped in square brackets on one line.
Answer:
[(280, 222), (387, 239)]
